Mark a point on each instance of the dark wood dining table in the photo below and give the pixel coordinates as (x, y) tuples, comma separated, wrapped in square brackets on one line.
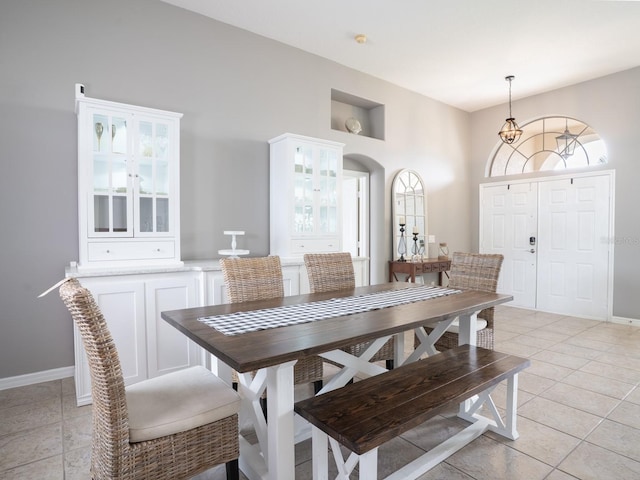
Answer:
[(265, 358)]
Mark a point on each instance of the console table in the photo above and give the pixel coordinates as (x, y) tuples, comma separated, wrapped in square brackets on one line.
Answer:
[(411, 269)]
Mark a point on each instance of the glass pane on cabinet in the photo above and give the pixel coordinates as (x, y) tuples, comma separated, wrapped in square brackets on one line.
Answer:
[(332, 191), (100, 174), (101, 213), (145, 140), (118, 135), (307, 224), (332, 219), (332, 164), (100, 131), (162, 177), (146, 214), (298, 191), (119, 214), (145, 176), (119, 175), (162, 140), (162, 215), (324, 221), (298, 219), (323, 164), (298, 161)]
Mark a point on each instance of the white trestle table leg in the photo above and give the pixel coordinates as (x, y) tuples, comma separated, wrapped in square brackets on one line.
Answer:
[(353, 365), (428, 341), (468, 324), (319, 454)]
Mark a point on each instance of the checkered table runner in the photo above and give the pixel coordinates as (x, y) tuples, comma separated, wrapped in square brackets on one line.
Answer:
[(243, 322)]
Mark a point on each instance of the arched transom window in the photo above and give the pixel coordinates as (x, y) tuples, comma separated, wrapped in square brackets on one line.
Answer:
[(549, 143)]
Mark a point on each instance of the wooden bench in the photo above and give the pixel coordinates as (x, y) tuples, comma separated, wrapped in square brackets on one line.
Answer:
[(364, 415)]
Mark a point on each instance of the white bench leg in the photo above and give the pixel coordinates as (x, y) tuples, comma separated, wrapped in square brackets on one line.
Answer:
[(320, 459), (505, 427), (512, 408), (369, 465)]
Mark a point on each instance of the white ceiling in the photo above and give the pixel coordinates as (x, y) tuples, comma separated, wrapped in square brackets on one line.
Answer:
[(455, 51)]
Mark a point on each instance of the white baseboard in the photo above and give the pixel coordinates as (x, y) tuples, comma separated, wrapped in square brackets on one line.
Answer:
[(36, 377), (626, 321)]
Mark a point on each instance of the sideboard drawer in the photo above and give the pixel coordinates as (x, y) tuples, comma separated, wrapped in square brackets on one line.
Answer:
[(105, 251)]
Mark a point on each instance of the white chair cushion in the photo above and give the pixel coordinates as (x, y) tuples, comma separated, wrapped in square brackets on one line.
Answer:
[(455, 326), (177, 402)]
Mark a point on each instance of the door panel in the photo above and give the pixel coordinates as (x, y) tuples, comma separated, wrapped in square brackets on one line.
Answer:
[(508, 219), (573, 262)]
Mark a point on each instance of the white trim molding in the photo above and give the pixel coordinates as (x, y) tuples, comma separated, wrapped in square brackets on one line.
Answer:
[(634, 322), (36, 377)]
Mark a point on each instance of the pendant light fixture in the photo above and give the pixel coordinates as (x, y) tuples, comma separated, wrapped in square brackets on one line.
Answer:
[(566, 142), (510, 130)]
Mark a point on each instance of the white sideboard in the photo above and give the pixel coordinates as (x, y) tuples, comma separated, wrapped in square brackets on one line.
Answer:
[(132, 300)]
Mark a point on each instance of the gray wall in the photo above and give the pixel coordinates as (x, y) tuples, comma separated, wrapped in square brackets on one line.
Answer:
[(236, 90), (611, 105)]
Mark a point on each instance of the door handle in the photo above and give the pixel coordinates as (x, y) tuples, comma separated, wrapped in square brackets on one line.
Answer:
[(532, 250)]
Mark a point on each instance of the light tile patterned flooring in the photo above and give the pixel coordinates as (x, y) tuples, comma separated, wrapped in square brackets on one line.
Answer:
[(578, 417)]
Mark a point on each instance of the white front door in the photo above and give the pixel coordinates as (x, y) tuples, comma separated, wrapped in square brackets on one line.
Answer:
[(508, 227), (553, 235), (573, 251)]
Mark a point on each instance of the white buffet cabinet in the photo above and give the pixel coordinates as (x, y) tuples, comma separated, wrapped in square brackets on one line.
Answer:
[(133, 299)]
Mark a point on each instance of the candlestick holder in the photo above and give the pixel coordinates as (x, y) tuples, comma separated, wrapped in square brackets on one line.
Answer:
[(415, 250), (444, 251), (402, 244)]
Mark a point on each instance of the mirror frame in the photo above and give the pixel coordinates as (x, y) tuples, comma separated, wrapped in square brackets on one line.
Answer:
[(409, 200)]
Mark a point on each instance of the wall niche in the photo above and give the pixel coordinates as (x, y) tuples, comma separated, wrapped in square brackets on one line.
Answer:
[(370, 114)]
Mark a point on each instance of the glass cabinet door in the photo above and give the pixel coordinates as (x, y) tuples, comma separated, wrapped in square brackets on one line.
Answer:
[(303, 204), (111, 211), (327, 191), (153, 176)]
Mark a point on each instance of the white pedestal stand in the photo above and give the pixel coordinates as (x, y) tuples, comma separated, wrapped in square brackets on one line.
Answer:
[(233, 253)]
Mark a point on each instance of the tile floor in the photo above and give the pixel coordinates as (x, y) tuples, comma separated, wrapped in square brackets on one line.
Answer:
[(579, 414)]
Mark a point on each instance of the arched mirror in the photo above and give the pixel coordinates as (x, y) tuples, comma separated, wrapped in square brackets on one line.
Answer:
[(409, 207)]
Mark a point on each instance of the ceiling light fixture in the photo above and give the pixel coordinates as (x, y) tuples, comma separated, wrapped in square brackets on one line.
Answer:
[(566, 142), (361, 38), (510, 130)]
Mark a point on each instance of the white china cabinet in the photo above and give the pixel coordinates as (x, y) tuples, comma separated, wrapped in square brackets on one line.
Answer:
[(305, 195), (128, 184)]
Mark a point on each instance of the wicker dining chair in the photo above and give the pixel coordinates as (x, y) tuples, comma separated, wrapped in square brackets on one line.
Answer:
[(334, 271), (169, 427), (260, 278), (473, 271)]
